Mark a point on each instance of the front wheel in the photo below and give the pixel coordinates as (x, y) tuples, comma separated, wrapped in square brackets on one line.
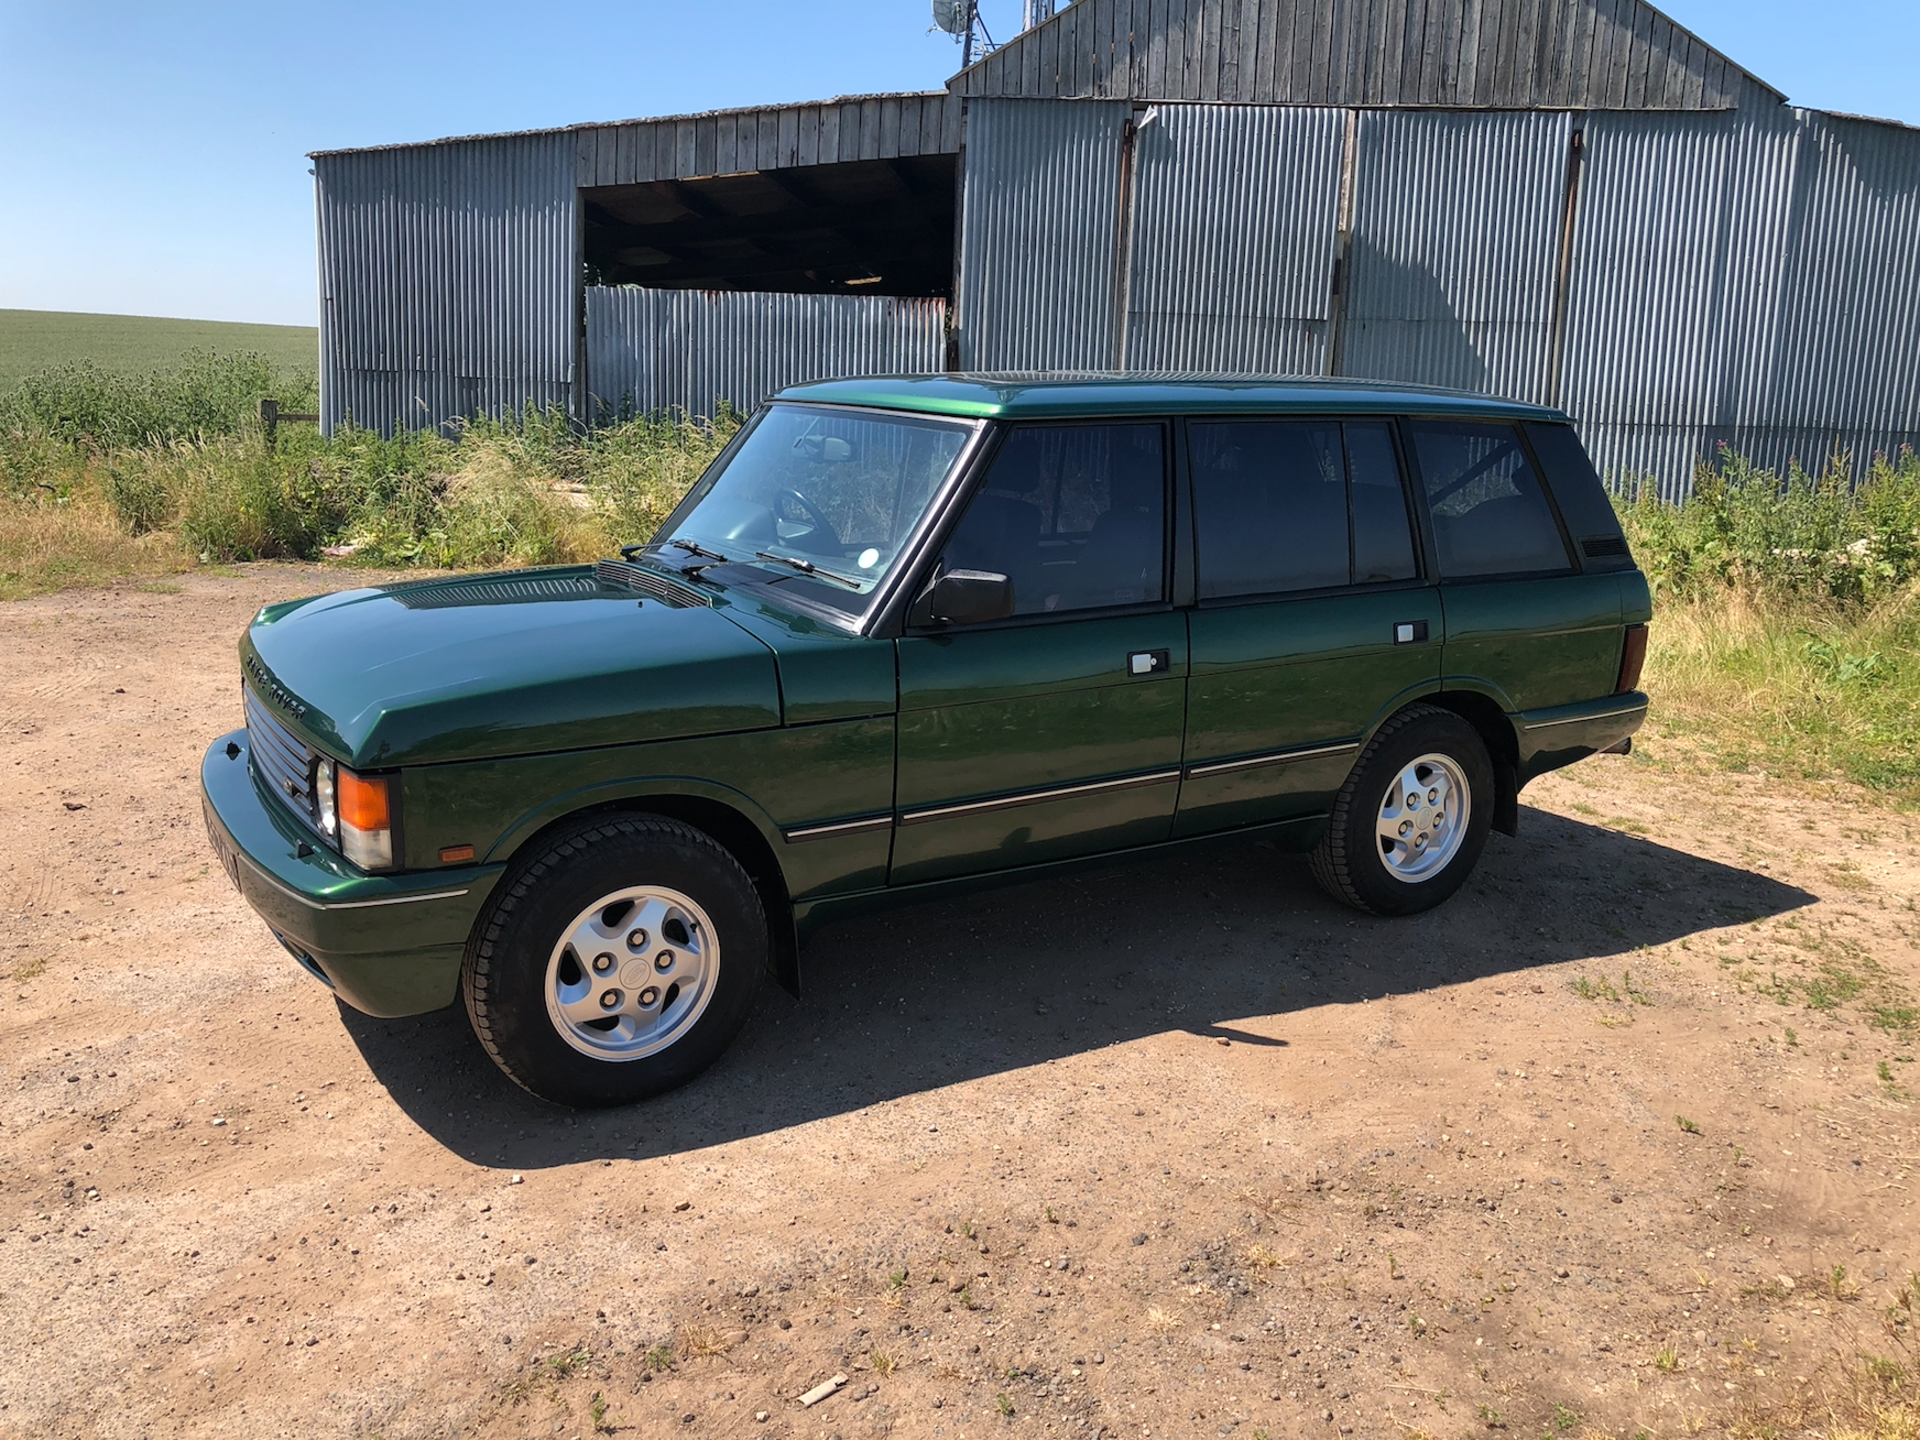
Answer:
[(1412, 818), (617, 964)]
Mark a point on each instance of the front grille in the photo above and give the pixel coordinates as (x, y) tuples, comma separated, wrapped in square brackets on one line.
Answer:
[(282, 761)]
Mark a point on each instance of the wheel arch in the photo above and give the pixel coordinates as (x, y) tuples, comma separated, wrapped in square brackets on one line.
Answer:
[(727, 824), (1496, 732)]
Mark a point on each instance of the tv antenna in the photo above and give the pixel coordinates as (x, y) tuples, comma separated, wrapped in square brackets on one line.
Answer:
[(960, 18)]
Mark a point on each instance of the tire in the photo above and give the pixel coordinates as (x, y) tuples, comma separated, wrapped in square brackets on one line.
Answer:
[(1382, 854), (618, 963)]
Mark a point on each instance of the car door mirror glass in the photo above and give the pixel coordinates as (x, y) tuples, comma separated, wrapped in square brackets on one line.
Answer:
[(972, 597)]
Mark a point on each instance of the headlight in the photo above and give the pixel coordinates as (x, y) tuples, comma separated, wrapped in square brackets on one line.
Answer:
[(365, 807), (325, 809)]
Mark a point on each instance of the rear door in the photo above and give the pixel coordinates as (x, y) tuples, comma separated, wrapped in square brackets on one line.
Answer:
[(1524, 624), (1313, 614), (1055, 733)]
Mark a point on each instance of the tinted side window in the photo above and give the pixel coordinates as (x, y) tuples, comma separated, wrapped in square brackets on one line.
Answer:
[(1074, 515), (1285, 505), (1490, 516), (1583, 500), (1382, 534)]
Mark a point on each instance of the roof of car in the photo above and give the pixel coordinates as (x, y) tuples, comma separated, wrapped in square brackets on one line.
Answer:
[(1087, 393)]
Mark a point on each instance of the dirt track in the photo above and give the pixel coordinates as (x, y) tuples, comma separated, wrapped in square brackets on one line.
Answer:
[(1174, 1151)]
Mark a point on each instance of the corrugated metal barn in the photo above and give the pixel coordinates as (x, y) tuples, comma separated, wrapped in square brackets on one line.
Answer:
[(1568, 201)]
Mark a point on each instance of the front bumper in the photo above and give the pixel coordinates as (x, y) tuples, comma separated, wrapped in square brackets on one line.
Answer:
[(386, 944)]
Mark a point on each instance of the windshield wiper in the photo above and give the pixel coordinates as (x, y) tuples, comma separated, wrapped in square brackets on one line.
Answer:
[(806, 567), (700, 550)]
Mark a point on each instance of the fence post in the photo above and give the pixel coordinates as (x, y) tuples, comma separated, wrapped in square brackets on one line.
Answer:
[(269, 419)]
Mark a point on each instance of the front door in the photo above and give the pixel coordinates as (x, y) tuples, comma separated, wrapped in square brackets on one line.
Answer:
[(1313, 619), (1056, 732)]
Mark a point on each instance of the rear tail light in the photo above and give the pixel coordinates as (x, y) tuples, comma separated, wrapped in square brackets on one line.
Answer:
[(1633, 659), (366, 818)]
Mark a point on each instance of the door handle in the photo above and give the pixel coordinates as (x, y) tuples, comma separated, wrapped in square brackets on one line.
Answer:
[(1149, 662), (1409, 632)]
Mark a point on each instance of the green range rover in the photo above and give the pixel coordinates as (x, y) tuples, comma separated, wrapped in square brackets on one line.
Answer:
[(911, 634)]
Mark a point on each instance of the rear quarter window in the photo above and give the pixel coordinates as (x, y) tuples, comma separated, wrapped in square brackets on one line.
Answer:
[(1490, 512), (1581, 497)]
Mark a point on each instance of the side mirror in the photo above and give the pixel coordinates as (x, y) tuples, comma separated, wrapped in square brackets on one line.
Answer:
[(969, 597)]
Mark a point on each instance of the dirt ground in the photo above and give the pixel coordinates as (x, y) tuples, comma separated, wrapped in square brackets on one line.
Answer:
[(1622, 1138)]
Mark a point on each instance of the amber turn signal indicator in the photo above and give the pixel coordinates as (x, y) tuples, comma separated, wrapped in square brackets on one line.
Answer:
[(455, 854), (363, 802), (1633, 659)]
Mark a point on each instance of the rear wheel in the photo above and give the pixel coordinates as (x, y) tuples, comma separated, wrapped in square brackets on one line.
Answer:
[(617, 964), (1410, 822)]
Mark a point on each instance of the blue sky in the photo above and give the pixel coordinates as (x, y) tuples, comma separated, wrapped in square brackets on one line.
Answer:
[(152, 156)]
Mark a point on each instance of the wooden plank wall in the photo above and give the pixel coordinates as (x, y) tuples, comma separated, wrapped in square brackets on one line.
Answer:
[(1557, 54), (724, 142)]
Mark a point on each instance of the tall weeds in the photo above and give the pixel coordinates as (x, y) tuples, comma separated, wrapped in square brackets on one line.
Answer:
[(1786, 615), (177, 462), (1805, 535)]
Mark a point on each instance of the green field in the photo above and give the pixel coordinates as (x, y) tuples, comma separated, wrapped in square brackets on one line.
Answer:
[(36, 340)]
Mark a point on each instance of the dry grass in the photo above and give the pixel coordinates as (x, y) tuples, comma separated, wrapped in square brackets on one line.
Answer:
[(49, 547), (528, 490), (699, 1341), (1799, 689), (1160, 1322), (1261, 1258)]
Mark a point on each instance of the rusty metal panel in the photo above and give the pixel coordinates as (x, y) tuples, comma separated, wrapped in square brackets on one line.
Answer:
[(1039, 231), (1234, 218), (446, 279), (692, 351), (1457, 224)]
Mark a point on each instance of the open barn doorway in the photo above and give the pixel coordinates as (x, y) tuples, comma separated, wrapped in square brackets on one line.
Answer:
[(863, 227)]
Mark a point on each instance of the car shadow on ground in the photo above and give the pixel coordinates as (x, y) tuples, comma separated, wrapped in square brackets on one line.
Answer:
[(1232, 941)]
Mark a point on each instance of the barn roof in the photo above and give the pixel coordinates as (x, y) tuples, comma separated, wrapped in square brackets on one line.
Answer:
[(1519, 54)]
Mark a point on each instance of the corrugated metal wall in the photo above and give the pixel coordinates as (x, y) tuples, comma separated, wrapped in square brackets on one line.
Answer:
[(1746, 277), (1749, 277), (1571, 54), (447, 280), (1232, 239), (1854, 270), (691, 350), (1456, 240), (1746, 280), (722, 142), (1039, 235)]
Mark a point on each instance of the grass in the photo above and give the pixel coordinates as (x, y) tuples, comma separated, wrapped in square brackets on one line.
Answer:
[(34, 341), (105, 477), (701, 1341), (1784, 610), (1800, 687)]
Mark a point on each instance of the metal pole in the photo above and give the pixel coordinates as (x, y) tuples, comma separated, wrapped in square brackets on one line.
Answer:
[(966, 46)]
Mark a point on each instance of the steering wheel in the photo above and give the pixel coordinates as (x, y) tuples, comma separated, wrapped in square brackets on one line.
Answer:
[(822, 527)]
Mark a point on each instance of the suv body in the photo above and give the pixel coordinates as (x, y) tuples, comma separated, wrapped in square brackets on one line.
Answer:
[(914, 633)]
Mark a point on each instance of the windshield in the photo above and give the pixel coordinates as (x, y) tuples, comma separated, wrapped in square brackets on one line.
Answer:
[(828, 495)]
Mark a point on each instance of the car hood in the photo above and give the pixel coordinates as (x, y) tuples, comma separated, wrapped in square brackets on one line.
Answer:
[(490, 665)]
